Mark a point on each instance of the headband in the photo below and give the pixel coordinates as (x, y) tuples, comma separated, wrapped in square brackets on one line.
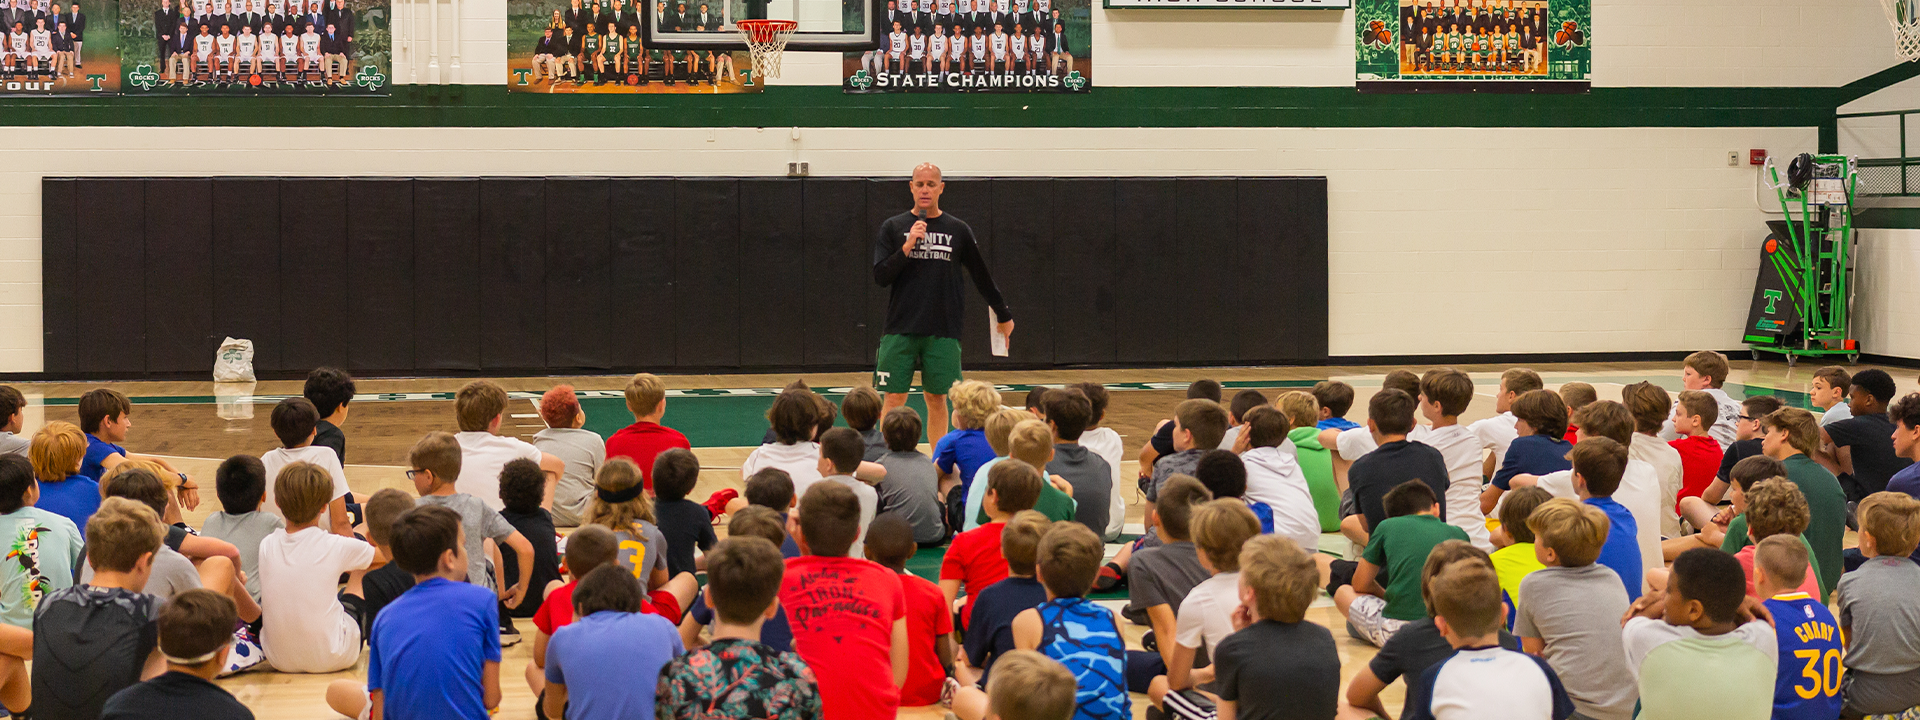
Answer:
[(189, 662), (619, 496)]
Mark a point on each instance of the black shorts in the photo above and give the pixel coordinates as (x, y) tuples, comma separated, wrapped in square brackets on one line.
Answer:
[(357, 608)]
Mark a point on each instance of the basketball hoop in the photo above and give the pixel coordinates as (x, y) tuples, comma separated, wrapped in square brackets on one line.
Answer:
[(767, 39), (1902, 15)]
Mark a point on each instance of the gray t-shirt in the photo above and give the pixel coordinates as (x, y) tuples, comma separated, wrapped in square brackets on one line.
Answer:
[(1180, 463), (876, 444), (1880, 607), (583, 451), (911, 491), (172, 574), (245, 531), (14, 444), (1092, 483), (869, 503), (1162, 576), (643, 555), (1577, 612), (480, 523)]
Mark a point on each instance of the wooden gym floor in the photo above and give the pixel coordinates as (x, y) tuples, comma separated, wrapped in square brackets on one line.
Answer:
[(198, 424)]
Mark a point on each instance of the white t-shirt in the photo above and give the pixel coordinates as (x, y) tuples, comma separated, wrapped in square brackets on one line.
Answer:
[(999, 46), (1639, 493), (482, 454), (1462, 452), (1840, 411), (310, 45), (1206, 616), (278, 458), (897, 44), (1036, 43), (1019, 47), (1274, 477), (869, 504), (1667, 469), (249, 45), (269, 46), (1355, 443), (303, 627), (203, 48), (1642, 635), (1105, 442), (800, 460), (1496, 433), (225, 44), (979, 48), (939, 46), (918, 43)]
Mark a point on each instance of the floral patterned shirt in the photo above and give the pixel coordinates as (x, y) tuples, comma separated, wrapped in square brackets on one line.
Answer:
[(735, 678)]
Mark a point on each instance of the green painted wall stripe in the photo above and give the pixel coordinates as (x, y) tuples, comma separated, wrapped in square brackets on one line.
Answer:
[(1897, 218), (827, 106)]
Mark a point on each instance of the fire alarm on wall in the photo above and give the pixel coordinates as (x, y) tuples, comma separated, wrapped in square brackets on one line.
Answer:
[(1756, 157)]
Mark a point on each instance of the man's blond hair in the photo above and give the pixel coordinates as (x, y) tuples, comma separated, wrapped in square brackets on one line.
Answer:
[(645, 392), (120, 532), (1573, 531), (1031, 686)]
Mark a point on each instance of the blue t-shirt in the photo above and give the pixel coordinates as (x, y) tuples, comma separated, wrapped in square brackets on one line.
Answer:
[(1809, 641), (1906, 481), (1336, 423), (75, 498), (1621, 554), (774, 633), (604, 658), (788, 548), (1533, 455), (97, 452), (966, 448), (428, 649), (990, 629)]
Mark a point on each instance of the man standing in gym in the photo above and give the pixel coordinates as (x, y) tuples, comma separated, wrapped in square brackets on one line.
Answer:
[(918, 255)]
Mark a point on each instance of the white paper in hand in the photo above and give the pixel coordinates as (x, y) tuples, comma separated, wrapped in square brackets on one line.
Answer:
[(999, 340)]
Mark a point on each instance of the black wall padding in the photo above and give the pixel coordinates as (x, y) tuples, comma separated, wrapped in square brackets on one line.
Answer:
[(59, 275), (246, 268), (837, 260), (397, 275), (706, 273), (1154, 300), (380, 255), (179, 269), (1085, 298), (643, 265), (513, 269), (773, 330), (446, 261), (313, 273), (111, 306), (579, 301)]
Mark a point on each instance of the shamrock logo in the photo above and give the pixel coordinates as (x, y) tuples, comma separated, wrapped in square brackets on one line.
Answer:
[(861, 80), (144, 77), (370, 78), (1074, 81)]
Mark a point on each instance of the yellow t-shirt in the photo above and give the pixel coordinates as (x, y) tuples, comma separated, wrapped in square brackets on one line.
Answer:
[(1512, 564)]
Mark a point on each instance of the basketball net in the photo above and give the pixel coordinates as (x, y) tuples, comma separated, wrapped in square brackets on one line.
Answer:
[(1906, 27), (767, 41)]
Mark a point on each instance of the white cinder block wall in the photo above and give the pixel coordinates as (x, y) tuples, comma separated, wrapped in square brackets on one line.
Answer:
[(1443, 240), (1886, 319)]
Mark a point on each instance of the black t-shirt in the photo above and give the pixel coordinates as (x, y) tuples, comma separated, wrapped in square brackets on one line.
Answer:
[(1739, 450), (1163, 439), (386, 584), (1279, 671), (175, 696), (686, 525), (1870, 442), (537, 528), (89, 643), (328, 435), (925, 297), (1382, 470), (1416, 647)]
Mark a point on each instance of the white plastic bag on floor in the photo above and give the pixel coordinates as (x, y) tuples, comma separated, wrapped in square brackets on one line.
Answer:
[(234, 361)]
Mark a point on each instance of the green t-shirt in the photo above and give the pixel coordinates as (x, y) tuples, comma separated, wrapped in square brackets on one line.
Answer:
[(1827, 527), (1673, 674), (1317, 465), (1399, 547)]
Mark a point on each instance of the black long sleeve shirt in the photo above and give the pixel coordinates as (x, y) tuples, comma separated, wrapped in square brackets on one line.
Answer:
[(926, 288)]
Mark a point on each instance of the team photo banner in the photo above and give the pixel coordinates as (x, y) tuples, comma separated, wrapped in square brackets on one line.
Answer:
[(978, 46), (59, 48), (256, 47), (1473, 45), (1229, 4), (584, 46)]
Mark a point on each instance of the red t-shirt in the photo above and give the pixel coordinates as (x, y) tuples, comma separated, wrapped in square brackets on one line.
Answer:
[(974, 559), (1809, 584), (557, 611), (927, 621), (640, 442), (1573, 433), (842, 611), (1699, 461)]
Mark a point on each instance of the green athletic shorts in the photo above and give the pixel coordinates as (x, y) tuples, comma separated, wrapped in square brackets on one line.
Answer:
[(937, 359)]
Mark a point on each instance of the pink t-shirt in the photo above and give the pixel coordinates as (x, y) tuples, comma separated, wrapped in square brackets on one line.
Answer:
[(1809, 585)]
